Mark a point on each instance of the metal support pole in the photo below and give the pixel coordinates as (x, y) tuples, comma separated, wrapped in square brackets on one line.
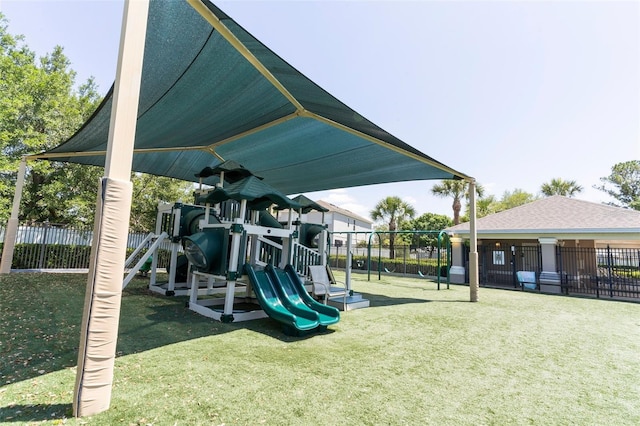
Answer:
[(12, 224), (473, 253), (96, 352), (347, 269)]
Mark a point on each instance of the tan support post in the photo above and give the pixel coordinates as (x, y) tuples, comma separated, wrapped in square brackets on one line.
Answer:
[(473, 243), (12, 224), (97, 349)]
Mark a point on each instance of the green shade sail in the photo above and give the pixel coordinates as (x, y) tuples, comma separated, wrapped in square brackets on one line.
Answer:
[(211, 92)]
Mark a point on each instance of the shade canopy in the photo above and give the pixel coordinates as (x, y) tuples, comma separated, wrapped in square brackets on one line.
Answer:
[(212, 92)]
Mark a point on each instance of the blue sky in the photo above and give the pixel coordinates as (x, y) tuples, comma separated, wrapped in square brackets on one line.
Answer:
[(514, 93)]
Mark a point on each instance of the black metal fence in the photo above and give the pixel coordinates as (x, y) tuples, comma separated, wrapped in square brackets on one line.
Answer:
[(498, 265), (602, 272), (51, 246), (599, 272)]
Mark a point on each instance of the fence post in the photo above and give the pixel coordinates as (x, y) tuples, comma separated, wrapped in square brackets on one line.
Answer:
[(404, 258), (43, 245), (514, 267), (564, 279), (609, 270)]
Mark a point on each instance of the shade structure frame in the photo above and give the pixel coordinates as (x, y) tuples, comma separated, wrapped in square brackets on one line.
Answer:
[(291, 96), (68, 155)]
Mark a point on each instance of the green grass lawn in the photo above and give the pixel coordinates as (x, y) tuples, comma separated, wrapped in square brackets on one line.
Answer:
[(416, 356)]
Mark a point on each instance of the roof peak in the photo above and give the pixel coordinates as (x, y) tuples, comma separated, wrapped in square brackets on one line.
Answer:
[(557, 212)]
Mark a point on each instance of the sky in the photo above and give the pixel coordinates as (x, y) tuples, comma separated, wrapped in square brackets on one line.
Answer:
[(513, 93)]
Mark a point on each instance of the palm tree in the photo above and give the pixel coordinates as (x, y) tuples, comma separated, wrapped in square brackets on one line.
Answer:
[(456, 189), (392, 210), (486, 206), (559, 186)]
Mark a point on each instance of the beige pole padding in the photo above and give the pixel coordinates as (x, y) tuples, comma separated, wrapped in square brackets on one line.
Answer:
[(99, 328), (101, 315), (12, 225)]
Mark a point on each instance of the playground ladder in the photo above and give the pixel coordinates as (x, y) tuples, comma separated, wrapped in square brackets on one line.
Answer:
[(158, 240)]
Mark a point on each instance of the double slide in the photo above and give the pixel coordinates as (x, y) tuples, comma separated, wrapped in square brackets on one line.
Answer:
[(282, 296)]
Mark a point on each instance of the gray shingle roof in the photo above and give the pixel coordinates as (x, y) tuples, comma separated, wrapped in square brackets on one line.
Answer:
[(557, 213), (345, 212)]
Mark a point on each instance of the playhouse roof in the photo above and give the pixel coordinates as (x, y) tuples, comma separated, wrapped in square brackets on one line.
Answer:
[(212, 92), (259, 194), (558, 216)]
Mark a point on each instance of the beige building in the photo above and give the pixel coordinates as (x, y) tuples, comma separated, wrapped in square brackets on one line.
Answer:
[(567, 242)]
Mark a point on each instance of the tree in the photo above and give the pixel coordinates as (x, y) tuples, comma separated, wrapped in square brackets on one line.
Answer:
[(148, 191), (515, 198), (39, 107), (487, 205), (456, 189), (429, 222), (510, 199), (392, 210), (382, 238), (559, 186), (625, 179)]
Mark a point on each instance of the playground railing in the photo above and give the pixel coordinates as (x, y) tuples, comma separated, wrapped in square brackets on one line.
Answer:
[(269, 252), (303, 257)]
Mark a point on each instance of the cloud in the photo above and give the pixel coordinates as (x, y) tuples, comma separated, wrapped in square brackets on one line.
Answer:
[(344, 199), (339, 197), (410, 200), (358, 209)]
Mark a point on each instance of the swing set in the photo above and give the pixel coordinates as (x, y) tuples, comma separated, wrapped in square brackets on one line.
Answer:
[(443, 243)]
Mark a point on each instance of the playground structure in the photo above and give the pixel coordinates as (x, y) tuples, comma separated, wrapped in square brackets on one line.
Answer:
[(236, 253)]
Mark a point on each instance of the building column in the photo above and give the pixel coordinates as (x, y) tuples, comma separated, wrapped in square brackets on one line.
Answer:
[(474, 281), (549, 277), (457, 270)]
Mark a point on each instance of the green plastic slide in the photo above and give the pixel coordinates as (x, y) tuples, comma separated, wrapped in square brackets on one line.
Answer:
[(295, 292), (270, 300)]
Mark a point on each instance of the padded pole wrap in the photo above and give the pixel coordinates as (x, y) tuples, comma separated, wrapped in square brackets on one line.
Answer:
[(96, 353)]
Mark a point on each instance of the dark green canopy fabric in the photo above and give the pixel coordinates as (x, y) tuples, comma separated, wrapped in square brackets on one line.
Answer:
[(211, 92)]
